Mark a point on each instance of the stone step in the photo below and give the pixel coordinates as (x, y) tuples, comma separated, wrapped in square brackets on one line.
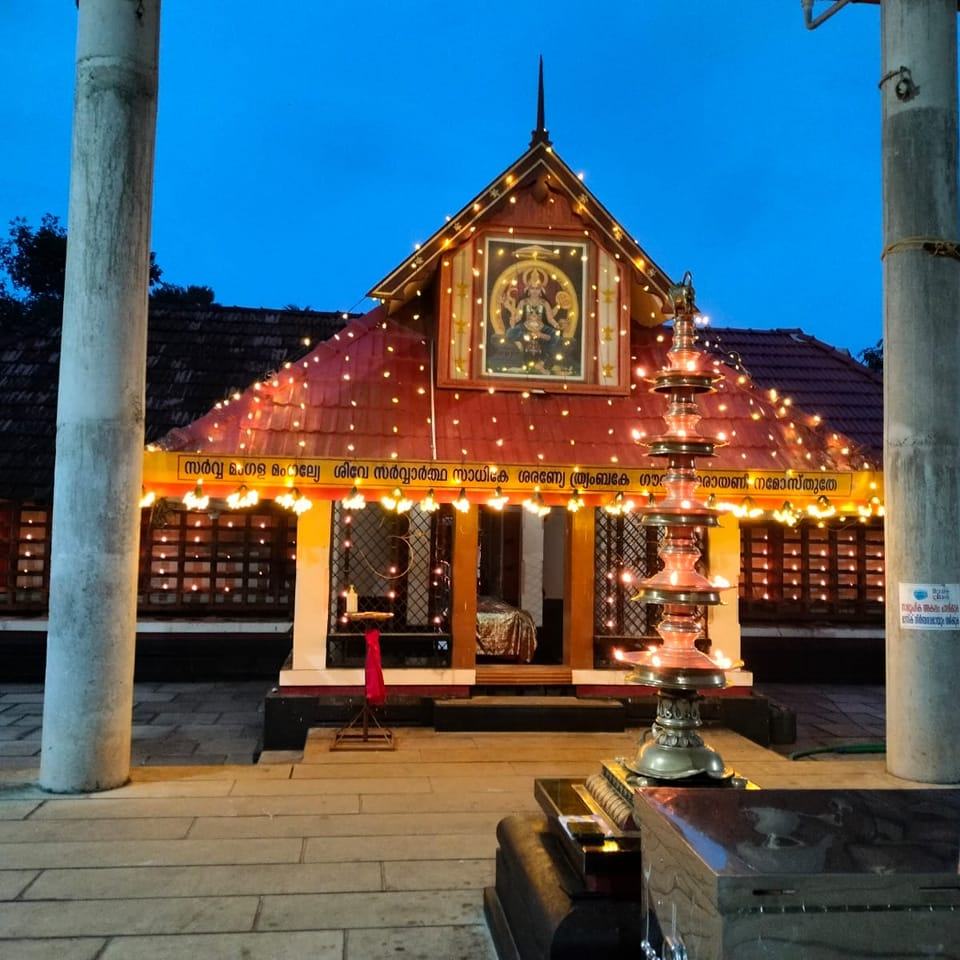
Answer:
[(529, 713)]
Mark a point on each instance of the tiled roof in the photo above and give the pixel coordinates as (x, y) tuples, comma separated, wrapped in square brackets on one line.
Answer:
[(195, 357), (819, 378), (366, 394)]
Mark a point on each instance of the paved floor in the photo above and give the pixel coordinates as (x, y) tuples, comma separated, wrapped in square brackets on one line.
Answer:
[(173, 723), (340, 855), (210, 723), (831, 715)]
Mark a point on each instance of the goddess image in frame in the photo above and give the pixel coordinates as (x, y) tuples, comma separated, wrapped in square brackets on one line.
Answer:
[(535, 298)]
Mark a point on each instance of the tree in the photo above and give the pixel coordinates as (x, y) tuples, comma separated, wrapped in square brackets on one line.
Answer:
[(34, 260), (872, 357), (171, 293)]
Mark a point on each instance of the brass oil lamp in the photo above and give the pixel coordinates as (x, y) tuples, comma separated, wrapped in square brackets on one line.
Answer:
[(673, 750)]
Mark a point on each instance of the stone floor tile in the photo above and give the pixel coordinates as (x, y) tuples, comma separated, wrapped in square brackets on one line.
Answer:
[(173, 746), (233, 715), (366, 786), (27, 766), (454, 801), (427, 908), (90, 809), (438, 874), (139, 853), (215, 742), (72, 948), (183, 760), (360, 848), (15, 809), (346, 825), (111, 883), (64, 918), (535, 768), (12, 883), (518, 783), (429, 943), (152, 731), (194, 719), (147, 789), (19, 748), (210, 731), (315, 944), (253, 771), (151, 696), (17, 694), (280, 756), (14, 731), (487, 770), (50, 831), (320, 754)]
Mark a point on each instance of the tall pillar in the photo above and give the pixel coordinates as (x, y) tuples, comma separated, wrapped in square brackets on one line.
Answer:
[(531, 565), (311, 604), (463, 604), (578, 590), (723, 620), (96, 518), (921, 381)]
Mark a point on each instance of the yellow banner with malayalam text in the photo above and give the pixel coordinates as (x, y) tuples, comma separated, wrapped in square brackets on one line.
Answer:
[(182, 470)]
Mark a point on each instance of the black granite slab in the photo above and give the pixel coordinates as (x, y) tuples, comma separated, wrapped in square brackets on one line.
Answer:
[(809, 844)]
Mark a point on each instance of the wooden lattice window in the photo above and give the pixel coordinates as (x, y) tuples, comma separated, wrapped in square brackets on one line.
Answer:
[(240, 561), (812, 572), (24, 557)]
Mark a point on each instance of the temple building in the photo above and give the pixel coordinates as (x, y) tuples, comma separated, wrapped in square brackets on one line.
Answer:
[(465, 460)]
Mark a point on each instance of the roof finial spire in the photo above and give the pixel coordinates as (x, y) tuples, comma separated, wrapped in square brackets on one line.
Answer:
[(541, 134)]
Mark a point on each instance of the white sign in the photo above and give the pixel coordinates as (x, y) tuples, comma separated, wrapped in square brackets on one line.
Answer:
[(930, 606)]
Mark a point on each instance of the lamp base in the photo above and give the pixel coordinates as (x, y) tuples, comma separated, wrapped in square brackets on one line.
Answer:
[(673, 750)]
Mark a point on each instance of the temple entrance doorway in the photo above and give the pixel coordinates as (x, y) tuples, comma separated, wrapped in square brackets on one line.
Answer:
[(520, 582)]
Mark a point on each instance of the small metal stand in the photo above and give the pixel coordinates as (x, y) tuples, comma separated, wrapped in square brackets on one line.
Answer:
[(365, 731)]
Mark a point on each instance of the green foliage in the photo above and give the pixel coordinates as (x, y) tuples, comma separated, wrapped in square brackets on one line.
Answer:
[(33, 263), (872, 357), (34, 259), (194, 296)]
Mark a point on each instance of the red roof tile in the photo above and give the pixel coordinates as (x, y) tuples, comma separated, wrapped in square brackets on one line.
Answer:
[(366, 394), (818, 377)]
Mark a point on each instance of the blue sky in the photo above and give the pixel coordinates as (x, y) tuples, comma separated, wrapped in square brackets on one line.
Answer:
[(304, 147)]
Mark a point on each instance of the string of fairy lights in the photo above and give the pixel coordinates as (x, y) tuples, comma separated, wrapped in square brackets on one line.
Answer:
[(795, 440), (794, 428)]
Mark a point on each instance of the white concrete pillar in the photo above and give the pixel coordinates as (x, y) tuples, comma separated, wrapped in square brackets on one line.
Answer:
[(96, 517), (921, 385), (531, 566), (311, 605), (724, 621)]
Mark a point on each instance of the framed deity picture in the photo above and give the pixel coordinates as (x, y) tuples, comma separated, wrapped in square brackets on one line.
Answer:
[(534, 304)]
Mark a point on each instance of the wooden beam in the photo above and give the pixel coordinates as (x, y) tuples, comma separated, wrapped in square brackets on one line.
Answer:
[(578, 590), (463, 613)]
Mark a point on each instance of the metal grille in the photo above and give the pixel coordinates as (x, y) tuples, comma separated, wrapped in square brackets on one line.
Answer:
[(242, 560), (397, 564), (625, 551)]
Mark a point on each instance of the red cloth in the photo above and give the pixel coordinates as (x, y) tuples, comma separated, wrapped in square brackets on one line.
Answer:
[(374, 687)]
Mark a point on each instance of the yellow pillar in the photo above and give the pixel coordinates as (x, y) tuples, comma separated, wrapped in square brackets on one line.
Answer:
[(578, 590), (312, 599), (463, 605), (724, 620)]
